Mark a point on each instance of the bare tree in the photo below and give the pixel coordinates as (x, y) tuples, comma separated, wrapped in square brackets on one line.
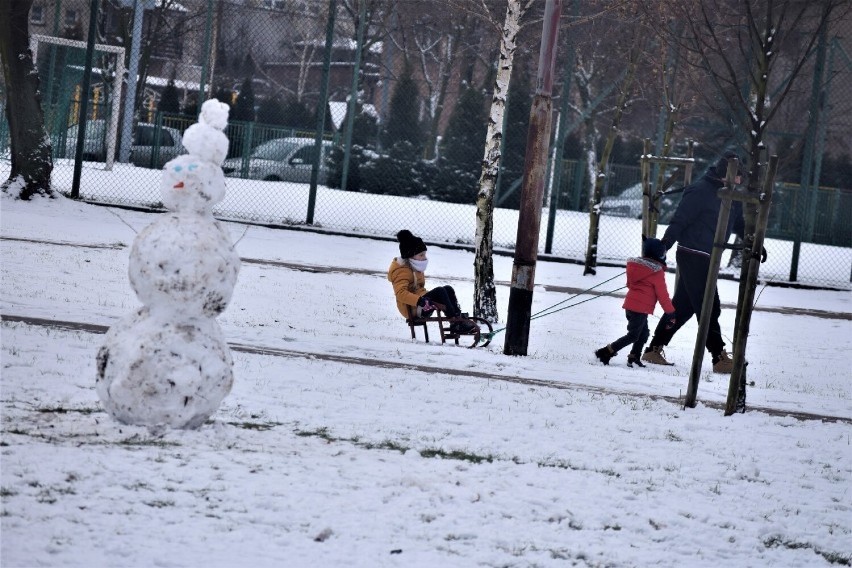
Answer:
[(485, 292), (30, 145), (598, 167), (747, 56)]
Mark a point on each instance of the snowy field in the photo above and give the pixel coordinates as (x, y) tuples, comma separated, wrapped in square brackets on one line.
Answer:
[(345, 443)]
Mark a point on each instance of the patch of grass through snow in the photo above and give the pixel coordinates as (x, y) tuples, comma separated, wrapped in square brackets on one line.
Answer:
[(831, 557)]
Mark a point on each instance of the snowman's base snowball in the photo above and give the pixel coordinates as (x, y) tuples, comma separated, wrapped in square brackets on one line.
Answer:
[(154, 372)]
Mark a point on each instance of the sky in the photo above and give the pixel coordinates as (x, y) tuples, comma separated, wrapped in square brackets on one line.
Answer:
[(346, 443)]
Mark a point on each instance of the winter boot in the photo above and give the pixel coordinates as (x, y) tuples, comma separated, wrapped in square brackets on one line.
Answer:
[(464, 326), (722, 363), (605, 354), (633, 358), (654, 354)]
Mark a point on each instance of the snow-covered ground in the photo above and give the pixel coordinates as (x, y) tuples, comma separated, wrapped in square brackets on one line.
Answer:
[(344, 443)]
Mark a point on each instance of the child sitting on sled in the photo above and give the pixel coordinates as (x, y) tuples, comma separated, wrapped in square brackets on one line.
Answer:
[(407, 274), (646, 285)]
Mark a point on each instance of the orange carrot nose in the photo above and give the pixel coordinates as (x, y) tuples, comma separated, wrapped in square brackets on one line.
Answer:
[(179, 185)]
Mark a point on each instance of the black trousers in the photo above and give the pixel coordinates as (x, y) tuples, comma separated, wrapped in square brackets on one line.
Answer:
[(637, 333), (447, 296), (687, 300)]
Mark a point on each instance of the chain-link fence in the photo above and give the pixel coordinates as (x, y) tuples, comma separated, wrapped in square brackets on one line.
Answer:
[(402, 144)]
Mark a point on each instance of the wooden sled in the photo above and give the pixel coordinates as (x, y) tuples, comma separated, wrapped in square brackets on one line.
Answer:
[(480, 338)]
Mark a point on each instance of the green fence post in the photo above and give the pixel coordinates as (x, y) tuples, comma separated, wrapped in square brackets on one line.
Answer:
[(208, 32), (561, 134), (808, 184), (322, 105), (353, 96), (84, 102)]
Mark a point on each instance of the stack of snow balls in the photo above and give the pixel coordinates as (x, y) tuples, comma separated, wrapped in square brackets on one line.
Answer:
[(167, 364)]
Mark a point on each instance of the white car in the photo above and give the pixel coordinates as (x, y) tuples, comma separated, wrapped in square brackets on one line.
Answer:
[(281, 159), (629, 203), (143, 151)]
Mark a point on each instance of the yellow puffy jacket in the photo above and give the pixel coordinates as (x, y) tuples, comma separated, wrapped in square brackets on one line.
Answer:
[(408, 285)]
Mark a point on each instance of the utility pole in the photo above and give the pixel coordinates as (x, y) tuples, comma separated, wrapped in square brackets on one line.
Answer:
[(532, 191)]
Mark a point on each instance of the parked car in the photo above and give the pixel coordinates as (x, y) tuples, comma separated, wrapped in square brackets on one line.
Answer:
[(141, 153), (281, 159), (629, 203)]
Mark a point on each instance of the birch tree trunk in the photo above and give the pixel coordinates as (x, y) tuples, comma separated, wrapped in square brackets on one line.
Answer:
[(485, 293), (30, 145)]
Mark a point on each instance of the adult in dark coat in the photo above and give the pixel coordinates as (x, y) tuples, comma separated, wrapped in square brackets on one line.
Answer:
[(693, 228)]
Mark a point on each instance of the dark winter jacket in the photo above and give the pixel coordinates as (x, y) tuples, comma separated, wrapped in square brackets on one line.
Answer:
[(408, 285), (646, 285), (693, 225)]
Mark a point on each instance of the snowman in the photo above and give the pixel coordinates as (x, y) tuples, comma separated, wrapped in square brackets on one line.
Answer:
[(168, 364)]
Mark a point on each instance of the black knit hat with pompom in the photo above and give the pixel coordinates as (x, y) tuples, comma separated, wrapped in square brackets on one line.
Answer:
[(409, 245), (654, 248)]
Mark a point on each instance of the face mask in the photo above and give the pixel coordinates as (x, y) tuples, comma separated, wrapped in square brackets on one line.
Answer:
[(418, 265)]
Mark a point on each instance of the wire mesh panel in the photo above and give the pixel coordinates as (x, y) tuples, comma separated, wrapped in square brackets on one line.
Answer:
[(402, 92)]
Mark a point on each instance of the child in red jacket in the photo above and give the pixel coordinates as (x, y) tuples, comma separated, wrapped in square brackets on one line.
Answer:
[(646, 285)]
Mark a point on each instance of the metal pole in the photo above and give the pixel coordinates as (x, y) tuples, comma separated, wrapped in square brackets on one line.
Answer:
[(353, 95), (322, 105), (819, 146), (84, 102), (738, 376), (710, 286), (535, 164), (649, 221), (561, 134), (130, 99), (807, 189), (205, 65), (52, 68)]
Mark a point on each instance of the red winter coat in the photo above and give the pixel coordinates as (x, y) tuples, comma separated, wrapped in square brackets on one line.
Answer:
[(646, 285)]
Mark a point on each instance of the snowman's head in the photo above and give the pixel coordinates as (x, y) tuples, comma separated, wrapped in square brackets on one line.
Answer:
[(190, 184), (205, 139)]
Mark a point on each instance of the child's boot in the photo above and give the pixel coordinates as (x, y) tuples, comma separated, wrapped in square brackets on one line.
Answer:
[(633, 358), (605, 354)]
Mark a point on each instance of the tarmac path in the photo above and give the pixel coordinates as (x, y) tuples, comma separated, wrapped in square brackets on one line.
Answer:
[(395, 364)]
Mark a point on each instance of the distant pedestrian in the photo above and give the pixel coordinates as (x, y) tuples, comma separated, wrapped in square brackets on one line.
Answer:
[(693, 228), (646, 286), (407, 274)]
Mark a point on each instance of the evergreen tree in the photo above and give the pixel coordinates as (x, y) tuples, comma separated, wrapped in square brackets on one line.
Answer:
[(363, 137), (244, 108), (169, 99), (329, 122), (223, 95), (297, 115), (460, 161), (402, 134), (271, 111), (191, 107), (515, 141), (462, 145)]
